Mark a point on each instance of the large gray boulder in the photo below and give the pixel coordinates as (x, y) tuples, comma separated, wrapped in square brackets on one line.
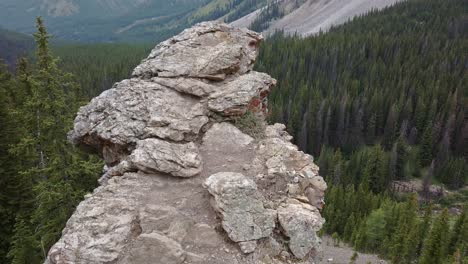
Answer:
[(183, 181), (248, 92), (210, 50), (237, 200), (300, 222), (155, 155), (136, 109)]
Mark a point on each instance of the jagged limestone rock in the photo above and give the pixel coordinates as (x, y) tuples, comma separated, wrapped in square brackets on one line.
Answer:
[(209, 50), (133, 110), (192, 86), (176, 159), (237, 200), (248, 92), (300, 223), (165, 134), (114, 209), (225, 135)]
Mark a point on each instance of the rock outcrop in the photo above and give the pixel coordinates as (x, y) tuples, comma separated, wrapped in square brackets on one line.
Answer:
[(183, 183)]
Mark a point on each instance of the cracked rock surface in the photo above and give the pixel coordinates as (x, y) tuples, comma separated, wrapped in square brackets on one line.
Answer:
[(236, 199), (183, 183)]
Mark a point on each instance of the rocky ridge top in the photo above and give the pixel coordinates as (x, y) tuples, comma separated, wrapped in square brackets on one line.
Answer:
[(183, 183)]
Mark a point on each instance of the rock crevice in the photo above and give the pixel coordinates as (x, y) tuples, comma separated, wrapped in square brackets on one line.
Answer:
[(183, 184)]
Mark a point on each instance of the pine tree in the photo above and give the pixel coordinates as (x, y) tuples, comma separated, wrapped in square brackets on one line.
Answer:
[(22, 250), (459, 237), (425, 156), (8, 193), (435, 246), (55, 174), (424, 228)]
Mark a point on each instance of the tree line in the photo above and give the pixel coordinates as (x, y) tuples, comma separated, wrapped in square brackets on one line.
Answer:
[(379, 99), (390, 86), (43, 177), (395, 230)]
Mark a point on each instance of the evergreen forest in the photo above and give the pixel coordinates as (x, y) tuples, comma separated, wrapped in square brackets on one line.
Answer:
[(379, 100)]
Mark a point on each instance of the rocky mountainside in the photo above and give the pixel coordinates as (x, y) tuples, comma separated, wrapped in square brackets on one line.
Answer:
[(188, 179), (119, 20), (99, 20), (309, 16), (155, 20)]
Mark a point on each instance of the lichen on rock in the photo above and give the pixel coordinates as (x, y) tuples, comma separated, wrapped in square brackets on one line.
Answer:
[(182, 183)]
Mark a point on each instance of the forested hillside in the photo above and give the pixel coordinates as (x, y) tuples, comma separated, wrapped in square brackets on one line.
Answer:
[(380, 99), (14, 45), (392, 83), (97, 67)]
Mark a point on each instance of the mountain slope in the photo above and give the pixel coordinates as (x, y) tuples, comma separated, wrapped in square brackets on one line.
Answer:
[(13, 45), (310, 16), (119, 20), (91, 20), (156, 20)]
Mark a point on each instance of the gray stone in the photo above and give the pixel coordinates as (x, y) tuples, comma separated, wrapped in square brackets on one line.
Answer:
[(248, 246), (300, 222), (236, 199), (203, 235), (176, 159), (193, 86), (248, 92), (165, 122), (225, 136), (208, 50), (134, 110), (102, 224), (155, 248)]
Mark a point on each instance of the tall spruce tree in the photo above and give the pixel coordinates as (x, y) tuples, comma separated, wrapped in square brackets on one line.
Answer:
[(59, 175)]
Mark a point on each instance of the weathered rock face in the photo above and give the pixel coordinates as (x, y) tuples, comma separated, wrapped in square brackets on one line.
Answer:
[(154, 155), (244, 217), (300, 223), (183, 184)]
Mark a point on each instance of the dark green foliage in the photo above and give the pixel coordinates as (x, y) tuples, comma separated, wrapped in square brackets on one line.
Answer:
[(435, 245), (14, 45), (98, 66), (458, 244), (394, 230), (271, 12), (395, 78), (380, 99), (43, 176)]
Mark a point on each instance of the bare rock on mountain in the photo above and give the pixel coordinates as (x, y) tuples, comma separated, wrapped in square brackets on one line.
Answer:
[(133, 110), (309, 17), (244, 217), (154, 155), (248, 92), (116, 220), (209, 50), (227, 136), (278, 155), (150, 247), (300, 223), (283, 170), (192, 86), (182, 182)]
